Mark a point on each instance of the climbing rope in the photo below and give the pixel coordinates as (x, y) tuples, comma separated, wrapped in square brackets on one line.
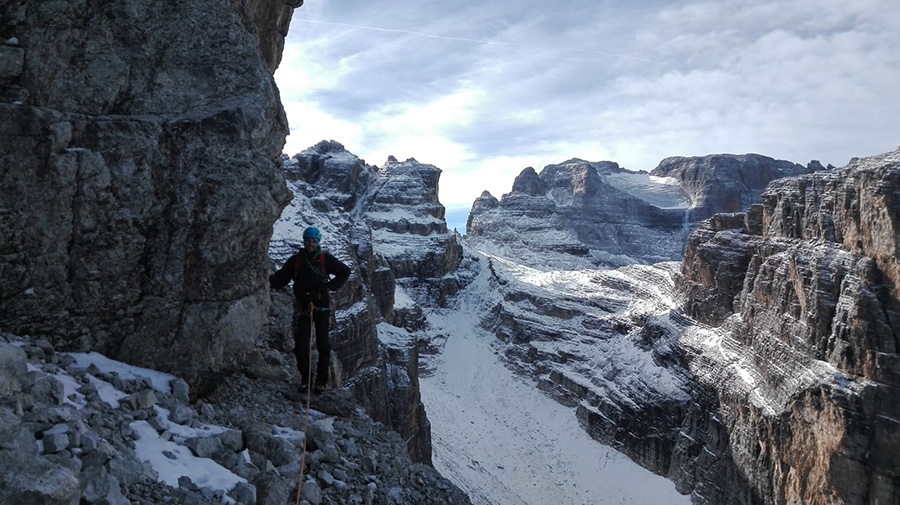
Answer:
[(308, 400)]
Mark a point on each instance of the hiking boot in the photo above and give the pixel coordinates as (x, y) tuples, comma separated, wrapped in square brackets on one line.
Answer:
[(304, 386), (320, 388)]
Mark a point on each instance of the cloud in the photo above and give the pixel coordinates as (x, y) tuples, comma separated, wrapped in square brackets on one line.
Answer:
[(483, 89)]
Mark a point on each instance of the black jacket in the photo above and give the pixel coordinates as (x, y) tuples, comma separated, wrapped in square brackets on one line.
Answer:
[(310, 283)]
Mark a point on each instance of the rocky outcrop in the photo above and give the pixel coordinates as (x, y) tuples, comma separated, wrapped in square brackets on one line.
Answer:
[(75, 432), (271, 20), (598, 214), (409, 230), (801, 378), (573, 208), (388, 226), (140, 165)]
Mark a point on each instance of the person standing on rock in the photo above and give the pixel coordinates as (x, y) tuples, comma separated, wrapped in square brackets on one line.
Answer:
[(311, 270)]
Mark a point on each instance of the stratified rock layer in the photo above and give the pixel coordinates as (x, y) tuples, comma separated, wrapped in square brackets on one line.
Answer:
[(388, 226), (722, 183), (782, 384), (598, 214), (139, 161), (802, 382)]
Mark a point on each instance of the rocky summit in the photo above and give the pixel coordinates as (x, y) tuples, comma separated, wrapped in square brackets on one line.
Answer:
[(599, 214), (722, 183)]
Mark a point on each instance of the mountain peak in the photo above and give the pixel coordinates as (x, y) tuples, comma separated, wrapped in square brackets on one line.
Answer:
[(529, 182), (328, 146)]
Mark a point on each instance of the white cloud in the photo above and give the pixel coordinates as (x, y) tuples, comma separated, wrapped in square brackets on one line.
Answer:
[(483, 89)]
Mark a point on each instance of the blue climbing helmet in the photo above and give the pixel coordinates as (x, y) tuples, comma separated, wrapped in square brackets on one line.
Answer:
[(312, 233)]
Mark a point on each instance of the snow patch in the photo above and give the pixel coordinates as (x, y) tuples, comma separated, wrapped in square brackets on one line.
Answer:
[(159, 380), (171, 461), (663, 192)]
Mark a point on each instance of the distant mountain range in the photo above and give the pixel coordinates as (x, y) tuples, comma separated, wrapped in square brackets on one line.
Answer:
[(674, 363), (598, 214)]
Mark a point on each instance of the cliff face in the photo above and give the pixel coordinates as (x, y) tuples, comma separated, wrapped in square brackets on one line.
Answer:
[(803, 394), (139, 161), (388, 226), (781, 384), (726, 183), (598, 214)]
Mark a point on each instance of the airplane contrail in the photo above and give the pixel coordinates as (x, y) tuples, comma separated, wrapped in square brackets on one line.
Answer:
[(408, 32), (461, 39)]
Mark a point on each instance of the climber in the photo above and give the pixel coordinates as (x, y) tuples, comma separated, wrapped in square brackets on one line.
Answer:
[(311, 270)]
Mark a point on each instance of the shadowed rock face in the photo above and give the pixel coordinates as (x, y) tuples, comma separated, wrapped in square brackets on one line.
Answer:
[(727, 183), (600, 214), (805, 288), (139, 160)]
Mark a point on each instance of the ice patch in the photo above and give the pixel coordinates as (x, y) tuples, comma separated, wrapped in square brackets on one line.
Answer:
[(662, 192)]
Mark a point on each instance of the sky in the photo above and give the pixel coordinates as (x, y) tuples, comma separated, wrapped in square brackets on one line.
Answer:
[(483, 89)]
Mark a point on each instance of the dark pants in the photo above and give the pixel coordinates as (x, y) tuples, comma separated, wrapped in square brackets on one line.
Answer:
[(301, 344)]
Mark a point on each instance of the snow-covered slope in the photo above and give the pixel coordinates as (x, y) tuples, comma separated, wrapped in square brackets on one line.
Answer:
[(503, 440), (455, 305)]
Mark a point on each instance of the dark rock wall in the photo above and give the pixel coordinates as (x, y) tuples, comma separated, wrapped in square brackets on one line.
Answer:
[(389, 392), (270, 19), (139, 162), (725, 182), (816, 323)]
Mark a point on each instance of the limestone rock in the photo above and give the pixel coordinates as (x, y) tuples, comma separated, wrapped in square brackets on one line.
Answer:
[(13, 367), (272, 19), (388, 225), (76, 465), (723, 183), (598, 214), (141, 171), (807, 301)]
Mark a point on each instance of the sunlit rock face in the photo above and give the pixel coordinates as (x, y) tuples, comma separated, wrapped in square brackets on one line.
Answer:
[(766, 372), (598, 214), (139, 160), (802, 395), (388, 226)]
